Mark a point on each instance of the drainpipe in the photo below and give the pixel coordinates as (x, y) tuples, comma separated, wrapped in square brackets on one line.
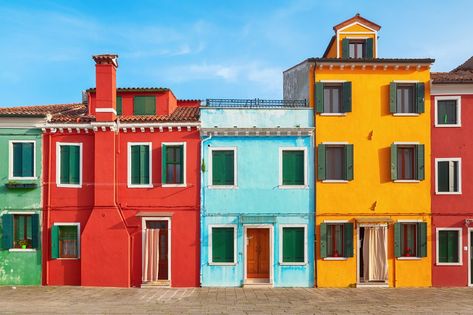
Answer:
[(202, 201), (48, 212)]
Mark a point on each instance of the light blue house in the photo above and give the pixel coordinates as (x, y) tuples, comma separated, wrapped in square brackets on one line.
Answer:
[(257, 213)]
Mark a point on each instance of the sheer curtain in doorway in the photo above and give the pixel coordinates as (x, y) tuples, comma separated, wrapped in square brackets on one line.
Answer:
[(375, 254), (151, 255)]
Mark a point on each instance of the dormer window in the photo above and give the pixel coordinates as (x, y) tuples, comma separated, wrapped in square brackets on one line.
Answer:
[(357, 48), (144, 105)]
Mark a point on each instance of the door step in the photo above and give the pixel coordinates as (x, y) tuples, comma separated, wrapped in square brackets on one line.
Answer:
[(257, 283), (372, 285), (154, 284)]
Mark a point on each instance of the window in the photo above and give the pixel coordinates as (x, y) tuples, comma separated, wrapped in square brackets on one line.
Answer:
[(139, 164), (222, 244), (448, 176), (447, 111), (173, 163), (410, 239), (357, 48), (119, 105), (69, 168), (223, 167), (293, 245), (449, 246), (22, 160), (20, 231), (293, 167), (407, 162), (144, 105), (336, 240), (333, 98), (335, 162), (65, 240), (406, 98)]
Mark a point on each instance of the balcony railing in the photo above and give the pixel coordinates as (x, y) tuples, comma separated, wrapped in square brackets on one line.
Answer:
[(254, 103)]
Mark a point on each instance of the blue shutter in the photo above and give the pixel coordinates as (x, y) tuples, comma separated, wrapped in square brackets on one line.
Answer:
[(7, 226)]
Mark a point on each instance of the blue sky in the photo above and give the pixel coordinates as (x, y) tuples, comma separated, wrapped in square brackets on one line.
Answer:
[(204, 49)]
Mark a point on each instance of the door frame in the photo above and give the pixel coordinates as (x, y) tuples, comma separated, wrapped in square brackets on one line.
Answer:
[(359, 251), (470, 230), (143, 228), (270, 227)]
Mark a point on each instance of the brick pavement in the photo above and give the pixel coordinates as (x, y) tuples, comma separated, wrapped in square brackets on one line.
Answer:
[(234, 300)]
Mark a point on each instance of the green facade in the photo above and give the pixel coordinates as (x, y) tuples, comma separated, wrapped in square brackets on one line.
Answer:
[(17, 197)]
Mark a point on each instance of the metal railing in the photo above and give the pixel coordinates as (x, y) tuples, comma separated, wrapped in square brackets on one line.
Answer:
[(254, 103)]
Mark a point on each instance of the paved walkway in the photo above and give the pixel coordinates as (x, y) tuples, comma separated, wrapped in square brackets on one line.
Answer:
[(76, 300)]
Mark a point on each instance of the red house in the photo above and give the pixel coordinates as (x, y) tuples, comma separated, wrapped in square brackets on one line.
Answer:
[(452, 163), (122, 188)]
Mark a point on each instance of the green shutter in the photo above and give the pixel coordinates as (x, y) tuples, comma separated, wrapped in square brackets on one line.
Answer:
[(346, 97), (217, 168), (7, 227), (27, 159), (293, 168), (119, 105), (422, 239), (420, 97), (397, 240), (393, 162), (74, 164), (348, 239), (392, 97), (164, 163), (144, 165), (17, 160), (65, 153), (181, 161), (319, 97), (229, 168), (348, 162), (323, 240), (293, 245), (223, 245), (369, 46), (321, 162), (35, 230), (135, 164), (345, 48), (420, 161), (55, 242), (144, 105)]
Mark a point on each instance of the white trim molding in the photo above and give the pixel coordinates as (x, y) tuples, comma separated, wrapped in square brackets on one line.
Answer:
[(105, 110), (281, 239), (281, 185), (184, 163), (235, 168), (458, 103), (58, 164), (77, 225), (11, 160), (460, 247), (150, 171), (210, 248), (450, 176)]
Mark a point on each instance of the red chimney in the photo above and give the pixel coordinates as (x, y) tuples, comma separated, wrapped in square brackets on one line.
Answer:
[(106, 87)]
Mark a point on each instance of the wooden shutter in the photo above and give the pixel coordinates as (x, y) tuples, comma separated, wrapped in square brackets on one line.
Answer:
[(64, 167), (345, 48), (293, 244), (229, 173), (348, 239), (420, 161), (392, 97), (17, 160), (35, 230), (222, 245), (369, 48), (393, 162), (346, 97), (135, 164), (420, 97), (144, 105), (144, 164), (293, 168), (164, 163), (181, 161), (55, 242), (321, 162), (422, 239), (27, 159), (217, 168), (119, 105), (323, 240), (319, 97), (397, 240), (7, 227), (74, 164), (348, 161)]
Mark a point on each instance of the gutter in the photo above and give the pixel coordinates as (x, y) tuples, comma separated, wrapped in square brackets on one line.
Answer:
[(202, 203)]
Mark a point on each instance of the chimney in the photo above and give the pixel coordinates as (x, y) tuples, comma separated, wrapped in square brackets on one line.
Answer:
[(106, 87)]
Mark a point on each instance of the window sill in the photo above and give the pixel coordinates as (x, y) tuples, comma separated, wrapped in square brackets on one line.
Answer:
[(292, 264), (332, 114), (68, 186), (222, 187), (336, 258), (409, 258), (140, 186), (222, 264), (173, 185), (334, 181), (407, 181), (448, 193), (448, 126), (21, 184), (406, 114), (19, 250), (293, 187), (449, 264), (77, 258)]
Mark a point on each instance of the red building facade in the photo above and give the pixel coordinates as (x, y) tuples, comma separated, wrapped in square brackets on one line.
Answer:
[(122, 188), (452, 163)]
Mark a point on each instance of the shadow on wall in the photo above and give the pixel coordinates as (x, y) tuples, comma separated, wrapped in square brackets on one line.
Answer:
[(384, 158), (384, 100)]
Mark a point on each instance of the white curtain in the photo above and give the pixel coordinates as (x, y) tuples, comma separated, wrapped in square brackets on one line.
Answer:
[(375, 254), (151, 255)]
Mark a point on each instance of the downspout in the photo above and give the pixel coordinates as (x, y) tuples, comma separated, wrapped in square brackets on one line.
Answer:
[(48, 212), (202, 202)]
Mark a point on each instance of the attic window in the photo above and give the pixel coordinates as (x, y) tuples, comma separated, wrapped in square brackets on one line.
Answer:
[(357, 48)]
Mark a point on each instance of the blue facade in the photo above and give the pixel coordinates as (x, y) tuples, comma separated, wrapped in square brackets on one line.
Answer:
[(258, 199)]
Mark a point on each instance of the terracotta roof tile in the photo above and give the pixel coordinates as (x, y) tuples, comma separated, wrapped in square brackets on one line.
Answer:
[(466, 66), (459, 76), (181, 114), (136, 89), (39, 110), (77, 115)]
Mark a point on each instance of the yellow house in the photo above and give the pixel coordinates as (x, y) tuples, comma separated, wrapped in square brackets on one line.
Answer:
[(373, 160)]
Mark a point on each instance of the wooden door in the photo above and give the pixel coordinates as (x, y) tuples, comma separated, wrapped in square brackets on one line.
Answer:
[(257, 253)]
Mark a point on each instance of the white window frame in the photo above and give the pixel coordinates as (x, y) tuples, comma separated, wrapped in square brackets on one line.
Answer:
[(407, 180), (281, 237), (281, 185), (184, 163), (58, 164), (22, 213), (150, 152), (448, 98), (10, 160), (210, 248), (460, 247), (336, 222), (459, 192), (77, 225), (235, 168), (336, 143)]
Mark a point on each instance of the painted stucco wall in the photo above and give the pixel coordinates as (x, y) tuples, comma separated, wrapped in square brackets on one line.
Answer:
[(19, 268)]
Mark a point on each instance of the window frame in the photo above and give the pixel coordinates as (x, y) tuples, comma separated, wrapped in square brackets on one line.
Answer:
[(281, 245), (210, 247), (448, 98), (281, 150), (341, 222), (460, 247), (342, 143), (10, 160), (58, 164), (184, 163), (13, 238), (235, 168), (412, 86), (150, 171), (415, 162), (457, 159), (77, 224), (354, 41), (335, 82), (416, 257)]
